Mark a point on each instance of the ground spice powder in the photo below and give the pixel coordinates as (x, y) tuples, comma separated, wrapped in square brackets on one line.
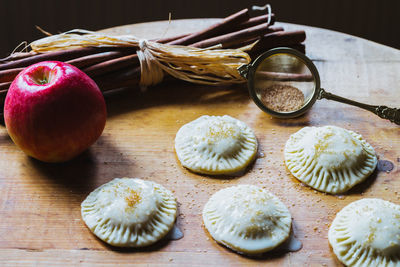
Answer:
[(282, 98)]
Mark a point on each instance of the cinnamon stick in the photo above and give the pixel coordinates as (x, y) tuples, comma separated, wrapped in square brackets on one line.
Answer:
[(3, 93), (283, 76), (86, 61), (276, 39), (99, 64), (171, 39), (63, 55), (107, 85), (299, 47), (17, 55), (9, 74), (255, 21), (133, 70), (120, 62), (121, 68), (252, 40), (120, 75), (233, 38), (218, 28), (4, 87), (112, 65)]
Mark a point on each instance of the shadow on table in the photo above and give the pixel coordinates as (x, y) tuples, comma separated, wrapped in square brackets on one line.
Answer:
[(363, 187), (81, 174), (76, 175), (301, 121), (173, 92), (5, 139)]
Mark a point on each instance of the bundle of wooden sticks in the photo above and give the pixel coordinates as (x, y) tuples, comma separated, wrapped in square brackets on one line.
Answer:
[(117, 67)]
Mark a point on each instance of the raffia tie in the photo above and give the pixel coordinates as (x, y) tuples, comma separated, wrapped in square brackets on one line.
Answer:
[(211, 66), (150, 71)]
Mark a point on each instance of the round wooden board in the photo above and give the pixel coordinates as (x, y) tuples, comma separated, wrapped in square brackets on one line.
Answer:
[(40, 203)]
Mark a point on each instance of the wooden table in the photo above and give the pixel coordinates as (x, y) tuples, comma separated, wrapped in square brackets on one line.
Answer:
[(40, 221)]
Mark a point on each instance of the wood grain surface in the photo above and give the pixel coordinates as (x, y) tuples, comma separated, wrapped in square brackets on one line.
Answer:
[(40, 221)]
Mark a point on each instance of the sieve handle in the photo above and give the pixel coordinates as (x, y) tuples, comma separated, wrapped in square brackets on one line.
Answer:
[(392, 114)]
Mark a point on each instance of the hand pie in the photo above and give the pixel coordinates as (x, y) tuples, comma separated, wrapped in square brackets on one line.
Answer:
[(128, 212), (247, 219), (329, 159), (367, 233), (215, 145)]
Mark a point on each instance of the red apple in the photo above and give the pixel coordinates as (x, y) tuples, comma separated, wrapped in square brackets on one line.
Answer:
[(53, 111)]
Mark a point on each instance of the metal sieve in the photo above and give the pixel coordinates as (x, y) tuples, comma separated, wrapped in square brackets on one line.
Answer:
[(285, 84)]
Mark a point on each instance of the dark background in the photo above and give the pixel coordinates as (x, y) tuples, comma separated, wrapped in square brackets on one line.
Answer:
[(370, 19)]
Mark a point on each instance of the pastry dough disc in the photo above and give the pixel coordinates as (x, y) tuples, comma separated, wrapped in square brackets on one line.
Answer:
[(367, 233), (215, 145), (129, 212), (247, 219), (329, 159)]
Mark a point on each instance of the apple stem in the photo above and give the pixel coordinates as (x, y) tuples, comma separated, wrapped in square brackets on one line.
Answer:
[(43, 81)]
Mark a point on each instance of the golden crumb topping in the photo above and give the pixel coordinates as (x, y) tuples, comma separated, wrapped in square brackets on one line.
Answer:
[(133, 198)]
